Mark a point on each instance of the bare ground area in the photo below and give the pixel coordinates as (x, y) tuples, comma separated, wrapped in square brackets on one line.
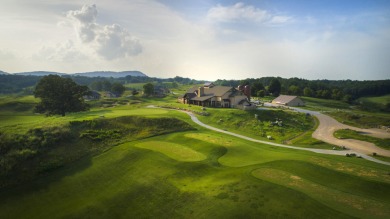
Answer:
[(328, 126)]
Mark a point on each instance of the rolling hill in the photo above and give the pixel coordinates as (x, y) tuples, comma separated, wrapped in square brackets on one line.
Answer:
[(86, 74)]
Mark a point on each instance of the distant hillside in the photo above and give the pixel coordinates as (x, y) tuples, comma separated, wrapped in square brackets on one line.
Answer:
[(39, 73), (107, 74), (3, 73), (112, 74)]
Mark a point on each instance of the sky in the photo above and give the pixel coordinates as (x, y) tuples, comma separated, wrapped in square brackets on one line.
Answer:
[(202, 39)]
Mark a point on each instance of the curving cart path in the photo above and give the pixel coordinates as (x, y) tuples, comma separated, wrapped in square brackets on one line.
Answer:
[(321, 151)]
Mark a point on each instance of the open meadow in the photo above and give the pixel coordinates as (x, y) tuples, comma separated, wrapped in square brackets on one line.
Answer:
[(125, 159)]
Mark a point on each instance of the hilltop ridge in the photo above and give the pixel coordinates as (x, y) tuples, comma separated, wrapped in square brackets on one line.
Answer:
[(86, 74)]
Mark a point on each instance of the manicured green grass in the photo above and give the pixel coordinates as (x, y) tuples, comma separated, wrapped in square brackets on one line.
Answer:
[(352, 134), (237, 179), (189, 174), (172, 150)]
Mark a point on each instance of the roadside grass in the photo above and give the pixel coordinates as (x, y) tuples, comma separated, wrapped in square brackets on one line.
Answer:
[(128, 181), (383, 158), (244, 122), (362, 119), (352, 134)]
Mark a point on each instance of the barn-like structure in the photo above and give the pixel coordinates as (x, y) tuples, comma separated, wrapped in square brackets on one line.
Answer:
[(287, 100)]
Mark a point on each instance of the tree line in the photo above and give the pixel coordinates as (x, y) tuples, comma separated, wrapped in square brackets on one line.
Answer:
[(25, 83), (346, 90)]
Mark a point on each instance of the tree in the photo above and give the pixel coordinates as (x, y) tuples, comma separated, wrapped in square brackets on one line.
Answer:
[(308, 92), (256, 87), (118, 88), (275, 87), (294, 90), (148, 89), (337, 94), (106, 85), (261, 93), (96, 85), (60, 95)]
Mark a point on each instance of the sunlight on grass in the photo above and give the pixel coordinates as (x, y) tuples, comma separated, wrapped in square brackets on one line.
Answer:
[(343, 201), (172, 150)]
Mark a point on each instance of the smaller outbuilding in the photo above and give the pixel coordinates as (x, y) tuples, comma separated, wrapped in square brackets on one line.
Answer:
[(93, 95), (287, 100)]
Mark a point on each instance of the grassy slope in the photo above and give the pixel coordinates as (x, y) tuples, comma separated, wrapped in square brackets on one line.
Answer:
[(244, 122), (129, 181), (237, 178), (383, 100)]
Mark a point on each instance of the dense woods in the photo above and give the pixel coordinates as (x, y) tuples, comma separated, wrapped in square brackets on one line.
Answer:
[(346, 90)]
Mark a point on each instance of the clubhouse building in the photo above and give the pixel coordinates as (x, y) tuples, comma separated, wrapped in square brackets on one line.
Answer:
[(210, 95)]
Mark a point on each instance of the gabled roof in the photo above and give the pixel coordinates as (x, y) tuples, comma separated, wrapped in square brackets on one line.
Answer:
[(283, 99), (211, 91), (209, 84)]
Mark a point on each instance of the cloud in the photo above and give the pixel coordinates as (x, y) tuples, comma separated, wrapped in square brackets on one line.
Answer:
[(60, 52), (85, 22), (240, 12), (108, 41), (114, 42), (87, 14), (236, 12)]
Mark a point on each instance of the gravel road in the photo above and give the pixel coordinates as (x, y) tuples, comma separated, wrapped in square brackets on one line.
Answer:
[(328, 126)]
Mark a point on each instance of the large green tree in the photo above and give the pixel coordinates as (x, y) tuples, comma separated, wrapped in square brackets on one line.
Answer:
[(118, 88), (148, 89), (275, 87), (60, 95)]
